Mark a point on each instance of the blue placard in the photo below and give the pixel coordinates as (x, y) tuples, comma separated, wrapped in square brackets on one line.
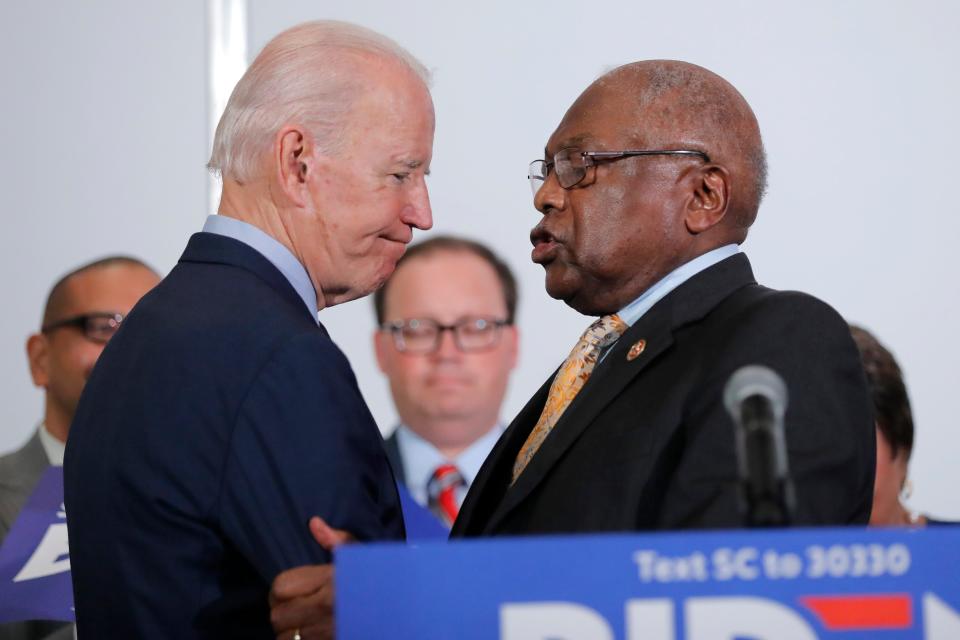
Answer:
[(800, 584), (35, 558), (419, 521)]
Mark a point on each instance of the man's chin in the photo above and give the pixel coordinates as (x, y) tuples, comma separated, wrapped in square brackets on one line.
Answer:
[(364, 288), (560, 285), (576, 297)]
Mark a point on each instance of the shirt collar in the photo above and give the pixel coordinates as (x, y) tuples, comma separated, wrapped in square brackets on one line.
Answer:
[(51, 446), (420, 458), (271, 249), (631, 313)]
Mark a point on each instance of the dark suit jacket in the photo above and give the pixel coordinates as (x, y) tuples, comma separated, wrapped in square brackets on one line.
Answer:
[(392, 448), (216, 422), (647, 443)]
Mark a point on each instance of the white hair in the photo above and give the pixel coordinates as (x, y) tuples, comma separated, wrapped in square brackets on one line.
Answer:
[(308, 75)]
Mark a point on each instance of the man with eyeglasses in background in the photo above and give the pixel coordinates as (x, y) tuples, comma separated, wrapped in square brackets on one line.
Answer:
[(446, 341), (83, 311)]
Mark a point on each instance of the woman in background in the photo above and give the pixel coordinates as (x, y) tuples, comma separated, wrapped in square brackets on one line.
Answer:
[(894, 433)]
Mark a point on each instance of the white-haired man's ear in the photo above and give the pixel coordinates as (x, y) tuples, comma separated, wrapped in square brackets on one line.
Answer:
[(295, 163)]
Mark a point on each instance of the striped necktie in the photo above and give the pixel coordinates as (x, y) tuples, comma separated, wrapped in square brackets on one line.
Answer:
[(442, 492)]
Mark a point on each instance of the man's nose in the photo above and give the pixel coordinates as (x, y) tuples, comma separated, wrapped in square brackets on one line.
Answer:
[(447, 347), (550, 196), (417, 213)]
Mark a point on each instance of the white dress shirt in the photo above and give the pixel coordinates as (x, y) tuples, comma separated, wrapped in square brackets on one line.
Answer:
[(51, 446)]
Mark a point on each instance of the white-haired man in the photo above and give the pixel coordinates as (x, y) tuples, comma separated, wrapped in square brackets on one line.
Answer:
[(221, 416)]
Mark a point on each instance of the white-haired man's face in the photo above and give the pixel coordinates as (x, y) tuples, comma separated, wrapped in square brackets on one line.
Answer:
[(367, 199)]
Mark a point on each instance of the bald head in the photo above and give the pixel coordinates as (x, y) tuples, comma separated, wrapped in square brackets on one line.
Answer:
[(615, 221), (61, 298), (676, 104)]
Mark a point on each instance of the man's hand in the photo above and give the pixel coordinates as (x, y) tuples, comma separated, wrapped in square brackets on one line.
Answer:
[(301, 599), (328, 537)]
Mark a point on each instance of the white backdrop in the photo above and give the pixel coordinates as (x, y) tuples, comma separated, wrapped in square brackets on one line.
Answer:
[(104, 143)]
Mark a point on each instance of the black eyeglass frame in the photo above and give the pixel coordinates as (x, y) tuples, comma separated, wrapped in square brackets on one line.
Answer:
[(83, 322), (396, 328), (591, 158)]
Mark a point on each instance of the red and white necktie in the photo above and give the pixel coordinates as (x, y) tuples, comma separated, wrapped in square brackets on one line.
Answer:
[(442, 492)]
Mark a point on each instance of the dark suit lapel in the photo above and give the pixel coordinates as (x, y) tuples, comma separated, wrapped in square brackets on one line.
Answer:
[(392, 448), (608, 380), (213, 248), (688, 303), (487, 490)]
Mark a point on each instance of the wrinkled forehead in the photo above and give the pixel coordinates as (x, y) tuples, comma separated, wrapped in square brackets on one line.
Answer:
[(447, 283), (606, 116)]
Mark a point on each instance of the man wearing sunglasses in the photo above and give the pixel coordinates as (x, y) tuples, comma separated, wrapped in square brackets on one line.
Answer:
[(83, 311), (447, 343)]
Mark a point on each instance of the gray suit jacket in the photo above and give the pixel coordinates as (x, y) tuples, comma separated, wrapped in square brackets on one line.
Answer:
[(20, 472)]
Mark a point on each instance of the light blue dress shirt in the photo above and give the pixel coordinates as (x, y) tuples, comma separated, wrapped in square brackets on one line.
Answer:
[(636, 309), (271, 249), (631, 313), (421, 459)]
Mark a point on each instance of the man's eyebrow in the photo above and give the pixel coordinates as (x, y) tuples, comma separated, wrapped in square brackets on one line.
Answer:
[(575, 141), (412, 164)]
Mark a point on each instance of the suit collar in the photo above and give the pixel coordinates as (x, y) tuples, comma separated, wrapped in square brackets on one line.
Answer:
[(210, 248), (270, 248), (686, 304), (646, 301)]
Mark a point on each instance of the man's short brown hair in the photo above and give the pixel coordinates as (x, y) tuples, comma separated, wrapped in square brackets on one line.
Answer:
[(454, 244)]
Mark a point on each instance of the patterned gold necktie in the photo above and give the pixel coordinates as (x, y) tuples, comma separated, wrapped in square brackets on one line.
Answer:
[(569, 380)]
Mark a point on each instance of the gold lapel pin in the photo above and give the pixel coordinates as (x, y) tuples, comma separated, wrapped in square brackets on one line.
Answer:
[(636, 350)]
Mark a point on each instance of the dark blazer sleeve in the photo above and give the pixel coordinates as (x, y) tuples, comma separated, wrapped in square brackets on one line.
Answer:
[(828, 422), (305, 444)]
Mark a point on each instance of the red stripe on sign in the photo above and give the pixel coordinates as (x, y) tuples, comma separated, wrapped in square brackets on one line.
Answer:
[(848, 613)]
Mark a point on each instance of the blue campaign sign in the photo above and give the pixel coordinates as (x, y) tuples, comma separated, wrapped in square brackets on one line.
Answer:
[(35, 558), (420, 523), (801, 584)]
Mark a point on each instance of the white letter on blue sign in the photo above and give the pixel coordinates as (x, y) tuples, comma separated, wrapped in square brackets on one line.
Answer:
[(552, 621), (738, 617), (650, 619), (740, 564), (939, 620), (51, 557)]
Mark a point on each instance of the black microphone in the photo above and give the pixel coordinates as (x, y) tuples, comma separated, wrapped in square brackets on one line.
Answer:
[(756, 398)]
